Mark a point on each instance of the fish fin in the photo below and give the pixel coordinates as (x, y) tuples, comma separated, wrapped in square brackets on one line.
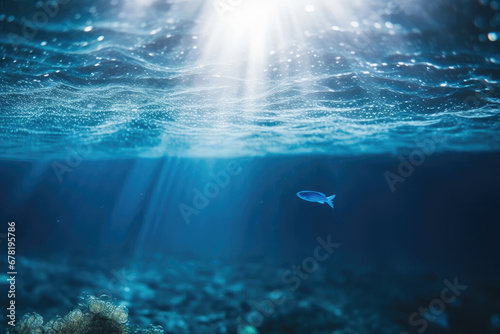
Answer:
[(330, 200)]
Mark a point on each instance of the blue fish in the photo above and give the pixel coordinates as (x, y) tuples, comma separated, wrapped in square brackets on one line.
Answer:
[(316, 196)]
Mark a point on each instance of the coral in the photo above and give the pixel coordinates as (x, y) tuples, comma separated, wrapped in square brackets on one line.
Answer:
[(30, 324), (93, 316)]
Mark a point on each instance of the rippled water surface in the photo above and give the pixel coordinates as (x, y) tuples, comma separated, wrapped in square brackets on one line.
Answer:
[(186, 78)]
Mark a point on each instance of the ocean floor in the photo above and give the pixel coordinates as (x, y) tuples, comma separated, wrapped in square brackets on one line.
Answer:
[(189, 295)]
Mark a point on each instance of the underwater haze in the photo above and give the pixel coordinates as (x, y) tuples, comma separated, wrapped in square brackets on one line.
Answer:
[(250, 166)]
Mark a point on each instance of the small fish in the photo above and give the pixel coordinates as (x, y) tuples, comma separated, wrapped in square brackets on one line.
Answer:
[(316, 196)]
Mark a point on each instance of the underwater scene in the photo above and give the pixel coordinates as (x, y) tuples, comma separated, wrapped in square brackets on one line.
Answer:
[(250, 166)]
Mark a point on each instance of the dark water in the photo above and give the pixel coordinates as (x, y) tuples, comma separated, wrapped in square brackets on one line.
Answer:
[(151, 152), (123, 234)]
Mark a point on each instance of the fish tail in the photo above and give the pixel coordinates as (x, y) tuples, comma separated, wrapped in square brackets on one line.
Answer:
[(330, 200)]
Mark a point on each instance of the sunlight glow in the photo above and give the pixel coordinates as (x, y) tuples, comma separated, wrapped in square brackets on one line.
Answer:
[(246, 30), (252, 19), (246, 44), (246, 38)]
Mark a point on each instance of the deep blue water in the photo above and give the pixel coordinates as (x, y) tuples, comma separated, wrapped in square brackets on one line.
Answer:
[(151, 152)]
